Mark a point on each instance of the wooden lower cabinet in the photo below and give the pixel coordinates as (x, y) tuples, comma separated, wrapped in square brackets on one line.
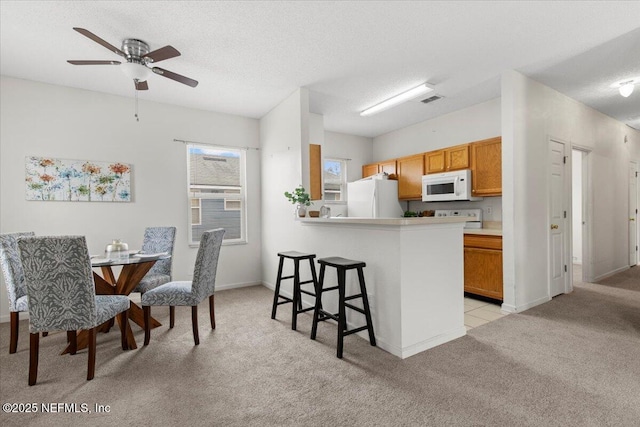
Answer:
[(483, 265)]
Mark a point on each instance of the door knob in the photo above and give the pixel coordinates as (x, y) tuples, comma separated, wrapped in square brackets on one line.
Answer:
[(554, 227)]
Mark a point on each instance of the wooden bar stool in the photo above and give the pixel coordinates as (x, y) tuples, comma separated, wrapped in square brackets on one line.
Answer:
[(342, 265), (297, 291)]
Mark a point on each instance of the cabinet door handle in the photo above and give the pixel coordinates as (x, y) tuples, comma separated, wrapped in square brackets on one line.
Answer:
[(632, 219), (554, 227)]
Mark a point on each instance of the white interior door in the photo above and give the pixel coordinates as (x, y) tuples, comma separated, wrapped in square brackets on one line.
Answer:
[(633, 214), (557, 219)]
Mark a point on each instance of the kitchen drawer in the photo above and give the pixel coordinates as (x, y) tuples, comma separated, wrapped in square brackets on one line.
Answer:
[(486, 242)]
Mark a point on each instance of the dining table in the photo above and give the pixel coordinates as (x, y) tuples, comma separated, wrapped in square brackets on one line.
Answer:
[(134, 267)]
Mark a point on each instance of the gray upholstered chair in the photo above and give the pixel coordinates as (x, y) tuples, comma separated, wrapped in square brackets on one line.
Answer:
[(59, 283), (156, 240), (14, 280), (185, 293)]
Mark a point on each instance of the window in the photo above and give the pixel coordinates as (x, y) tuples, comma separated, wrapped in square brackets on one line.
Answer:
[(335, 180), (196, 211), (216, 192)]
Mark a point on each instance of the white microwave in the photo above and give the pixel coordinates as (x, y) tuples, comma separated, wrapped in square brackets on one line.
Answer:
[(447, 186)]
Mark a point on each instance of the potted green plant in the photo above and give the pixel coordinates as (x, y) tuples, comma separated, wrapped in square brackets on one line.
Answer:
[(301, 198)]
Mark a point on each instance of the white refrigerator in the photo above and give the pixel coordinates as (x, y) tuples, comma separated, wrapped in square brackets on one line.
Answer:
[(373, 198)]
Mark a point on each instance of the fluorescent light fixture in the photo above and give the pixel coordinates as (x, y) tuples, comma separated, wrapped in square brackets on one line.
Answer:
[(625, 87), (398, 99)]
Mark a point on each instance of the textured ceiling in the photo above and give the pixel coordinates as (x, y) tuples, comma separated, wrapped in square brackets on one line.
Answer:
[(249, 56)]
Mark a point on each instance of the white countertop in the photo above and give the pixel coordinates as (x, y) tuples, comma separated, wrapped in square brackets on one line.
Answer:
[(382, 221)]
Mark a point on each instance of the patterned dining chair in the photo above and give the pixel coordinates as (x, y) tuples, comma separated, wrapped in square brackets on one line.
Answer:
[(189, 293), (59, 283), (14, 280), (156, 240)]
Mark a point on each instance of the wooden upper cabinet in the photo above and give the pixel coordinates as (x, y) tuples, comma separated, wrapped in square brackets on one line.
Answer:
[(368, 170), (486, 167), (447, 159), (457, 157), (434, 161), (315, 171), (410, 170), (389, 167)]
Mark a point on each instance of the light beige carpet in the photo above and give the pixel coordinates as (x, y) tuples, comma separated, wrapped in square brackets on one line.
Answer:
[(571, 362)]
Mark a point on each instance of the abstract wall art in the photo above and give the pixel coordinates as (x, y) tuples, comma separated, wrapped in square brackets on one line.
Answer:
[(77, 180)]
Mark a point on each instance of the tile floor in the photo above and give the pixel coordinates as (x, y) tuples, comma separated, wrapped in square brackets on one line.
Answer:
[(477, 313)]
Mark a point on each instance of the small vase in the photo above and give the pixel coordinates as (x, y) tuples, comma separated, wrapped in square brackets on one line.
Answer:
[(302, 211)]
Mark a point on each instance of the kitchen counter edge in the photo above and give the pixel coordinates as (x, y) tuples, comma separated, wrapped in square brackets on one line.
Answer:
[(484, 231), (382, 221)]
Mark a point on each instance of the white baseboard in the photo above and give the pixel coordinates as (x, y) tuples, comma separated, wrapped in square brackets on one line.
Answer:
[(522, 307), (236, 285), (611, 273), (5, 318)]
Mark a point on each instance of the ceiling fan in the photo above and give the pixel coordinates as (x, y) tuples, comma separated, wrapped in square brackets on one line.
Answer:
[(140, 60)]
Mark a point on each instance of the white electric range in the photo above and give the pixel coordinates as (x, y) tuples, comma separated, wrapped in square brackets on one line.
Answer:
[(474, 215)]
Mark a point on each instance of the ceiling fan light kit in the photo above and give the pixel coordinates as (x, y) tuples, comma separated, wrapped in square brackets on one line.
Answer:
[(136, 71), (398, 99), (625, 87)]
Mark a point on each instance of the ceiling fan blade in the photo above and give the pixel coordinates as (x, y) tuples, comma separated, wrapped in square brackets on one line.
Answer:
[(94, 62), (98, 40), (141, 85), (162, 54), (173, 76)]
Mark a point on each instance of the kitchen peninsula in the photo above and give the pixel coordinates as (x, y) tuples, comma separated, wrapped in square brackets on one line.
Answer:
[(414, 275)]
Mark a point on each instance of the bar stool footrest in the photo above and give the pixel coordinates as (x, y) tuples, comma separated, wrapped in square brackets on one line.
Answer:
[(304, 310), (323, 315), (353, 331), (353, 307), (287, 300), (352, 297), (307, 292)]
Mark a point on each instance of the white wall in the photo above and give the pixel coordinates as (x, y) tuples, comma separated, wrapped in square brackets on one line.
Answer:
[(358, 150), (281, 160), (477, 122), (531, 114), (282, 137), (38, 119)]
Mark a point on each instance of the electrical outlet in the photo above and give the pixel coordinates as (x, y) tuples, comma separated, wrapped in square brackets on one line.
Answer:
[(489, 210)]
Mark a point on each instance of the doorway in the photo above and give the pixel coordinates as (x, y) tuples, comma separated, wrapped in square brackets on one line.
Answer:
[(580, 208), (633, 214)]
